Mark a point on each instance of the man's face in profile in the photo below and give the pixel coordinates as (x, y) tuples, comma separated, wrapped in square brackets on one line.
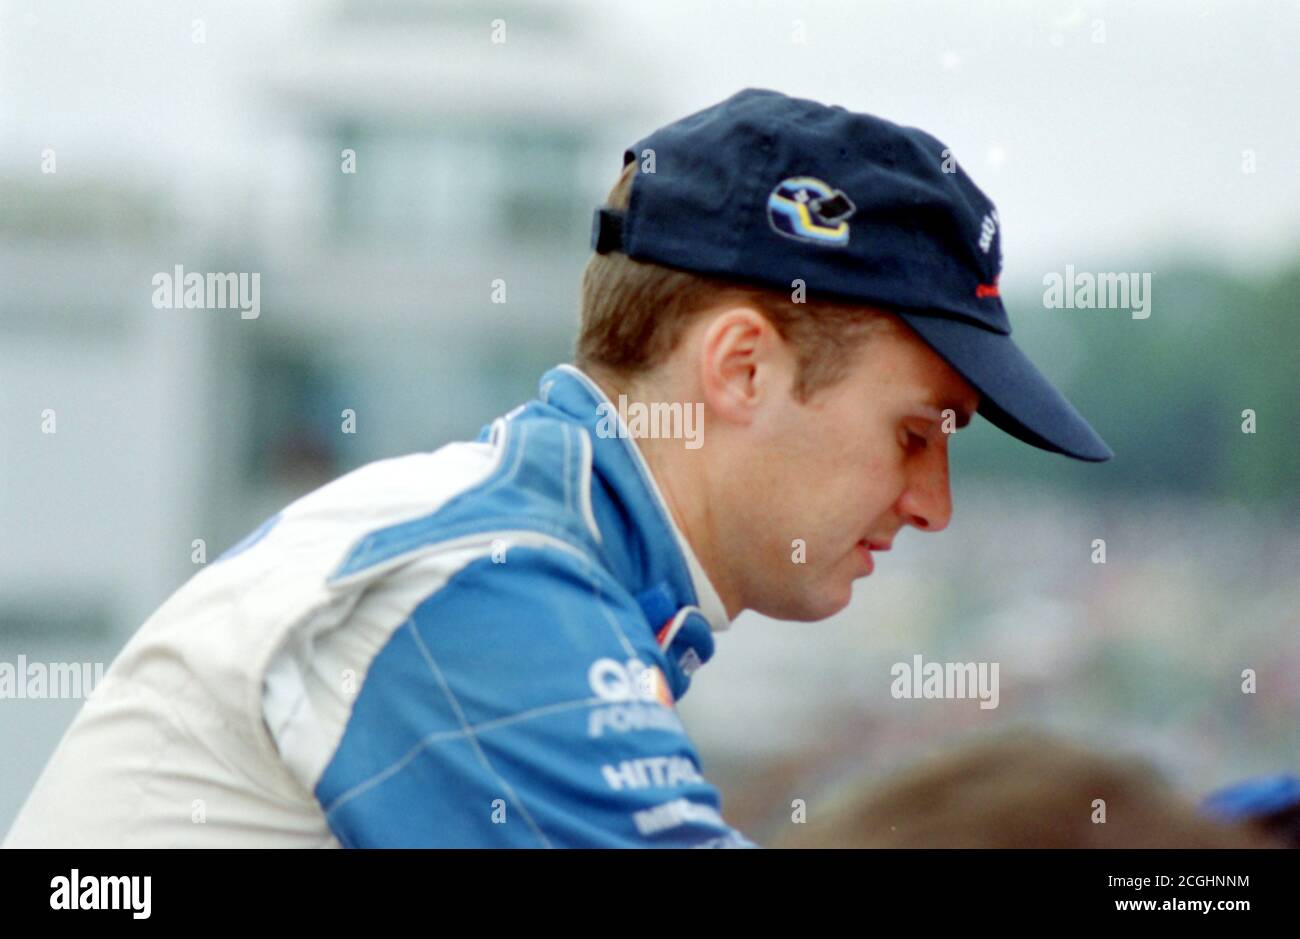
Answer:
[(844, 472)]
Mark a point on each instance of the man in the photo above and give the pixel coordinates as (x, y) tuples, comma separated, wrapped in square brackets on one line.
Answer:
[(482, 646)]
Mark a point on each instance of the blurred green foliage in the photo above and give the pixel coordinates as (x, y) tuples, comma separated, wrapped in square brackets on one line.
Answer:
[(1167, 392)]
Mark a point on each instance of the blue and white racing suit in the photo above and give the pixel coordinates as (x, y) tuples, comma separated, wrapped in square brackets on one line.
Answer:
[(479, 646)]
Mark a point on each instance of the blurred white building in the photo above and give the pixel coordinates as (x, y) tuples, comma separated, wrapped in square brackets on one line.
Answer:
[(404, 167)]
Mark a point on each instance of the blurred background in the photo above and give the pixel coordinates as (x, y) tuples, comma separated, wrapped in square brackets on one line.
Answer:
[(1163, 140)]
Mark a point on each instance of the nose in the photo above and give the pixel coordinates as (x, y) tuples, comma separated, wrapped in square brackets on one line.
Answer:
[(926, 501)]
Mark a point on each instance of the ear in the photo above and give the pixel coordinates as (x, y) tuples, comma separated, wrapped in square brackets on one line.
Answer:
[(743, 363)]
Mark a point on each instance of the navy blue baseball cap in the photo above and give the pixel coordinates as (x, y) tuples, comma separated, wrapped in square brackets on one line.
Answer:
[(764, 189)]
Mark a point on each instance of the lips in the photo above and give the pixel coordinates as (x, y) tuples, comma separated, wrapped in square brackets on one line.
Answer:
[(863, 551)]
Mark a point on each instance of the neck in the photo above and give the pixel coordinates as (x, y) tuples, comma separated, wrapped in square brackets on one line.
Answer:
[(680, 475)]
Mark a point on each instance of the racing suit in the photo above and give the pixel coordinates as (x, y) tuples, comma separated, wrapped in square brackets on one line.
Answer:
[(479, 646)]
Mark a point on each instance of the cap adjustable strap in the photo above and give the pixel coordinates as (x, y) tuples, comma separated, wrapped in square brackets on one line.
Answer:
[(607, 231)]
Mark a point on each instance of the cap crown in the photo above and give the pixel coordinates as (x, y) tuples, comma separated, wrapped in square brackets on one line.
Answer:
[(769, 189)]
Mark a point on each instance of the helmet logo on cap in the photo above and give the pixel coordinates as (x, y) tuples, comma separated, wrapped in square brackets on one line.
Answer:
[(808, 209)]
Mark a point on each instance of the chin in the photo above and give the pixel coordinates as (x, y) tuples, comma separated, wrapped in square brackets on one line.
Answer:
[(805, 608), (839, 603)]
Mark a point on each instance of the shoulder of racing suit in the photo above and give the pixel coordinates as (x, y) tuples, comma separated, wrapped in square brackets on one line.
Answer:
[(508, 673)]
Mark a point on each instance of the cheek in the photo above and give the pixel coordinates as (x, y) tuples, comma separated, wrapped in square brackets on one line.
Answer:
[(850, 488), (826, 472), (871, 467)]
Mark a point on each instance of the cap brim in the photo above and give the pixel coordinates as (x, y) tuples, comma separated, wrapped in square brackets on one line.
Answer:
[(1014, 395)]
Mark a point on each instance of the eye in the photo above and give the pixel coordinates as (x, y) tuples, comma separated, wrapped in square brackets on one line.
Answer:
[(913, 440)]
